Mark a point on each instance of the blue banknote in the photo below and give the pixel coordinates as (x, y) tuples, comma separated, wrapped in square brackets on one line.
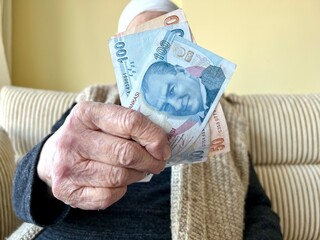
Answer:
[(178, 84), (130, 52)]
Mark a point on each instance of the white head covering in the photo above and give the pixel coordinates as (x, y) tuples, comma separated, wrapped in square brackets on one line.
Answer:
[(135, 7)]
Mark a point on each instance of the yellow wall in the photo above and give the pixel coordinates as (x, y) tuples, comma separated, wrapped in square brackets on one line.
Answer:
[(275, 44), (62, 44)]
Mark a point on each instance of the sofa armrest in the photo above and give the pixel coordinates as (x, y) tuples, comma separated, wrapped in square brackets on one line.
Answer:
[(8, 220)]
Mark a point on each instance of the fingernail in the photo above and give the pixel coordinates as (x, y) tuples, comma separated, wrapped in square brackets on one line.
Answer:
[(166, 153)]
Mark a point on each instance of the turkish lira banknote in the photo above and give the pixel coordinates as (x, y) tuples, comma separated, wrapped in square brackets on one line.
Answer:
[(192, 138), (171, 18), (209, 76), (128, 62), (217, 126)]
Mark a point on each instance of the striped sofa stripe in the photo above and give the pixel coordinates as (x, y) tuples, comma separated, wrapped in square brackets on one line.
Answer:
[(284, 144), (294, 191), (285, 148), (28, 114), (8, 220), (284, 129)]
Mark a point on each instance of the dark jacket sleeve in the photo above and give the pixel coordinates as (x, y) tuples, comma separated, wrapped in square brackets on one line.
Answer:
[(261, 222), (31, 199)]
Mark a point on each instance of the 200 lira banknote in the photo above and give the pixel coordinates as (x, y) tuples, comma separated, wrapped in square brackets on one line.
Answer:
[(171, 18)]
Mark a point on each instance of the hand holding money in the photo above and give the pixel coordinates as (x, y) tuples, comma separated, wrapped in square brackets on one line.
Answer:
[(176, 83)]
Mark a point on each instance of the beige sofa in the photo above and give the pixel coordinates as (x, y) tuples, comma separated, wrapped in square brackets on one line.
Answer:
[(284, 145)]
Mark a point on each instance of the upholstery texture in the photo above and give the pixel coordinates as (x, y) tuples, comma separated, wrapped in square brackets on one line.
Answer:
[(284, 134), (28, 114), (8, 220), (284, 138)]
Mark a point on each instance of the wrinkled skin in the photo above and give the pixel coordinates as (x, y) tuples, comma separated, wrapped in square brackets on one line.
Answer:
[(99, 150), (102, 148)]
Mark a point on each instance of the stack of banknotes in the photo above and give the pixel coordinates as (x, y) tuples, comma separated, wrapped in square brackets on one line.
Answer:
[(144, 59)]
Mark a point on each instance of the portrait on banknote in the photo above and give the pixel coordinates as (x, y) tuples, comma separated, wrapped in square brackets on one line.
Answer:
[(181, 92)]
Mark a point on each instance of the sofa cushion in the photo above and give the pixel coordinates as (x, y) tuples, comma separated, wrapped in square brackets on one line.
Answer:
[(28, 114), (284, 136), (8, 220)]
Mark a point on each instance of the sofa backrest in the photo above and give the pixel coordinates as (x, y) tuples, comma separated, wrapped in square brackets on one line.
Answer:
[(284, 136), (28, 114)]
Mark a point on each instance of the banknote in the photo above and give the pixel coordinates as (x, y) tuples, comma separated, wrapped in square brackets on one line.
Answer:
[(219, 125), (211, 141), (214, 138), (128, 62), (204, 76), (171, 18)]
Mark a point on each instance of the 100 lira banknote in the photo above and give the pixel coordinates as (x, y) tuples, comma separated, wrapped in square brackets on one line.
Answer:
[(216, 131), (190, 142), (204, 76), (129, 56)]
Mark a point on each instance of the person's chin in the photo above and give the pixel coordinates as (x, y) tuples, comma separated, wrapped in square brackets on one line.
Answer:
[(193, 111)]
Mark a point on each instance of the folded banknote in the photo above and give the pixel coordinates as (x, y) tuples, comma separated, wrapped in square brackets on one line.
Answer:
[(182, 105)]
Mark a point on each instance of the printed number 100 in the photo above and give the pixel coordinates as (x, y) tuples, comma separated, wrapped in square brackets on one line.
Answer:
[(121, 51), (162, 50)]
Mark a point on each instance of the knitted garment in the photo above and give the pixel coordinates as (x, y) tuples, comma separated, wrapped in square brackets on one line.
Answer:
[(207, 199)]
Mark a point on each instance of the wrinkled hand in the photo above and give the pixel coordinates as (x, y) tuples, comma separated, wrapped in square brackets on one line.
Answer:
[(98, 151)]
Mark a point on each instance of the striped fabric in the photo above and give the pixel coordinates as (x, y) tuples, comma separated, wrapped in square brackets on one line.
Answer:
[(284, 144), (285, 147), (8, 220), (28, 114)]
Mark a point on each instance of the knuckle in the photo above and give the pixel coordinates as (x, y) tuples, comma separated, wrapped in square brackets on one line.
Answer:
[(67, 135), (62, 191), (125, 153), (160, 167), (65, 141), (132, 120), (81, 108), (80, 115), (119, 176)]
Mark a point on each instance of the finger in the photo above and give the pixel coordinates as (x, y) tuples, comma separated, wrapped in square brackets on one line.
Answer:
[(125, 123), (95, 174), (112, 150), (92, 198), (99, 198), (77, 146)]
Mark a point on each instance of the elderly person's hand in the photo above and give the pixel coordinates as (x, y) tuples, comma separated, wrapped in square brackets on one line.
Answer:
[(98, 151)]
